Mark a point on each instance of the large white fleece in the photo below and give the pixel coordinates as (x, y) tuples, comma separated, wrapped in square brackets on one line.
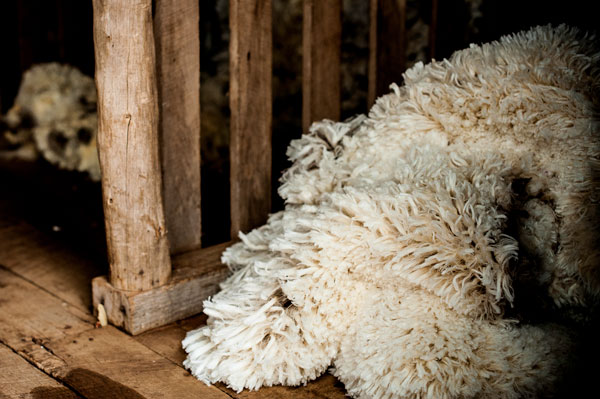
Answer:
[(405, 235)]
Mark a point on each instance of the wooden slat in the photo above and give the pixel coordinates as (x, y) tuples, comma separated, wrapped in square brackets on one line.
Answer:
[(128, 144), (177, 35), (19, 379), (387, 46), (196, 276), (321, 56), (250, 97)]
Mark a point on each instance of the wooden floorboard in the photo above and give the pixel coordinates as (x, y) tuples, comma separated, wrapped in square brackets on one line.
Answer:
[(46, 322), (19, 379)]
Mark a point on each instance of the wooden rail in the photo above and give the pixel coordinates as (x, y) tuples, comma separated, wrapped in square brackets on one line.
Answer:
[(147, 72)]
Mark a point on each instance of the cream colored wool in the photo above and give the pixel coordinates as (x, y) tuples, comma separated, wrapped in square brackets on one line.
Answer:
[(54, 114), (405, 234)]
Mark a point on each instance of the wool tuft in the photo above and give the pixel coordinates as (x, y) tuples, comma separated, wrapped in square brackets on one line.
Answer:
[(434, 248)]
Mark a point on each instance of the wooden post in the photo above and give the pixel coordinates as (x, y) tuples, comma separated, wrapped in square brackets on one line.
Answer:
[(321, 55), (177, 34), (142, 292), (433, 29), (250, 98), (128, 144), (387, 46)]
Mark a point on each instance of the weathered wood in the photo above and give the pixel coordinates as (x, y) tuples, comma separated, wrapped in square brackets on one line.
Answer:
[(55, 335), (29, 315), (105, 361), (387, 46), (19, 379), (61, 340), (177, 35), (325, 387), (196, 276), (250, 61), (45, 262), (167, 342), (433, 28), (321, 57), (128, 144)]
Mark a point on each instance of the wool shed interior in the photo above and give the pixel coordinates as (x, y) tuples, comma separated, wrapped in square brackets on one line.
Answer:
[(53, 239)]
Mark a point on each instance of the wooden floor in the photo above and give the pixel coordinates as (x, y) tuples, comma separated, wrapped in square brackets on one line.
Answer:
[(50, 346)]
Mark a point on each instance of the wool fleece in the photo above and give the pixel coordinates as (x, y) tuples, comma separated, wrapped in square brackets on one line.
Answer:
[(422, 248)]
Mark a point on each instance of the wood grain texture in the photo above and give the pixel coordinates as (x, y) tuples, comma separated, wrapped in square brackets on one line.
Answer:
[(433, 28), (250, 97), (61, 340), (19, 379), (128, 144), (196, 276), (387, 46), (29, 315), (44, 261), (59, 337), (177, 35), (321, 57), (166, 341)]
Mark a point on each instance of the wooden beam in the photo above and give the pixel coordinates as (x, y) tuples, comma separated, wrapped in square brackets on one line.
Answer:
[(387, 46), (128, 144), (321, 57), (177, 35), (250, 98), (196, 276)]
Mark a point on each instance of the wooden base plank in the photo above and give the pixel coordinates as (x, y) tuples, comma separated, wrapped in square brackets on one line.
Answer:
[(19, 379), (196, 276)]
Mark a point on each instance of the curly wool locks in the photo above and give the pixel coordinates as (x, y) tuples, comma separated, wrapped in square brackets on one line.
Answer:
[(405, 234)]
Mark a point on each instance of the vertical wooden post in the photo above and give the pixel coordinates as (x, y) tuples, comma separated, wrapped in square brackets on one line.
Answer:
[(321, 55), (128, 144), (177, 34), (387, 46), (433, 29), (250, 98)]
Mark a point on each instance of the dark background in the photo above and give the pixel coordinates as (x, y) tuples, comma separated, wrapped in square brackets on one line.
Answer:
[(69, 205)]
